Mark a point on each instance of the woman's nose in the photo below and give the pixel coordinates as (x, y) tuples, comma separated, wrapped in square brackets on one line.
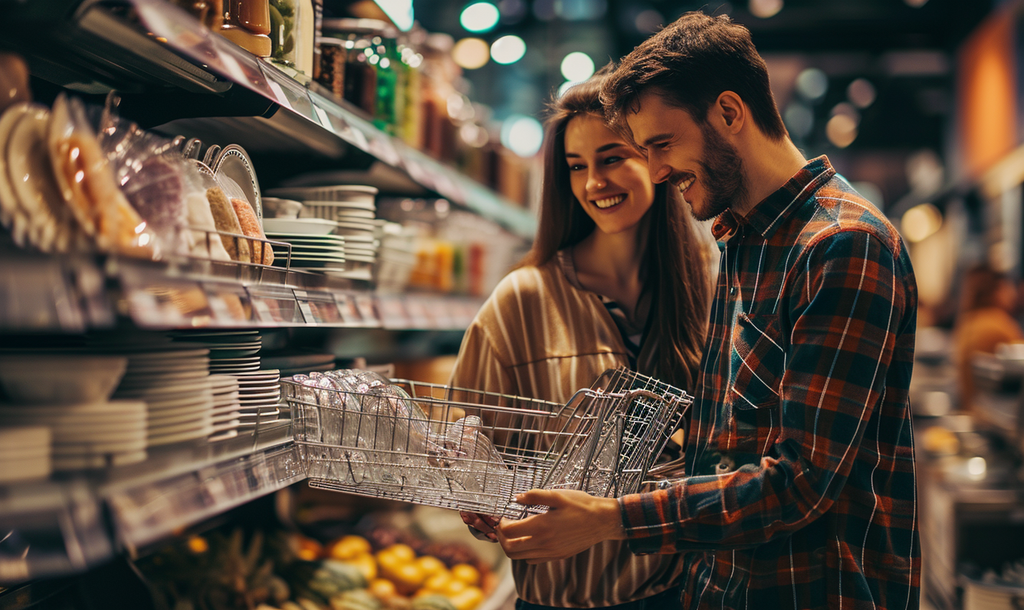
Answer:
[(596, 181)]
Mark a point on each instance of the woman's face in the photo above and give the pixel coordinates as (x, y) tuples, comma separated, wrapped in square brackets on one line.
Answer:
[(608, 178)]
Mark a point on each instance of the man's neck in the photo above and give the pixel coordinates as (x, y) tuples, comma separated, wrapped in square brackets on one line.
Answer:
[(767, 166)]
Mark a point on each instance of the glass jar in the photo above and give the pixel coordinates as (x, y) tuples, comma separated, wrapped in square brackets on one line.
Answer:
[(350, 62), (247, 24)]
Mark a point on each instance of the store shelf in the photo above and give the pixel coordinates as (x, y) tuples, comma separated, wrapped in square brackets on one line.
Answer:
[(74, 294), (69, 525), (201, 74)]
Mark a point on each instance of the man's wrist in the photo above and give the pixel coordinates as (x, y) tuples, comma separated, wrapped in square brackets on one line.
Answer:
[(611, 516)]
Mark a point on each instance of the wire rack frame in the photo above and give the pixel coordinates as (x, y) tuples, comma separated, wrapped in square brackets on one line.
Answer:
[(474, 451)]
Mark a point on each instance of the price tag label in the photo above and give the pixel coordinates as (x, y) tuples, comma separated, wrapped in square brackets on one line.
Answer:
[(279, 94), (307, 312), (324, 118), (263, 313), (356, 137)]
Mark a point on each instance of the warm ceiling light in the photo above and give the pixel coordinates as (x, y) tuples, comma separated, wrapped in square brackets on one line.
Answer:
[(471, 53), (916, 3), (577, 66), (920, 222), (479, 17), (508, 49), (764, 8), (522, 135)]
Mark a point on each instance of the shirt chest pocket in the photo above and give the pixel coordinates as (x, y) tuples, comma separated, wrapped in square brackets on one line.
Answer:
[(758, 362)]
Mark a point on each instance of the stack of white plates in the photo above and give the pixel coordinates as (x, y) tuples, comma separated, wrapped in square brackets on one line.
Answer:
[(313, 252), (175, 385), (24, 453), (231, 351), (226, 407), (396, 257), (259, 394), (88, 435)]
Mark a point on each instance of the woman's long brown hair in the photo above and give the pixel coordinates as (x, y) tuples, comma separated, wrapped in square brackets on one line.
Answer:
[(674, 267)]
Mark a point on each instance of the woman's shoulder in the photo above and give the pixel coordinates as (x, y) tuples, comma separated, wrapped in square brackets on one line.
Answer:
[(530, 282)]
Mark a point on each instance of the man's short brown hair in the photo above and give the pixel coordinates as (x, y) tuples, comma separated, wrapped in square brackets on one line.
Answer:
[(690, 63)]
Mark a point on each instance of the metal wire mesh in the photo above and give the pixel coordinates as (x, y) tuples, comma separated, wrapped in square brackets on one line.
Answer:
[(474, 451)]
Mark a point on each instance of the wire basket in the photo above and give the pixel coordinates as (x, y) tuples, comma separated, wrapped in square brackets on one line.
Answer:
[(470, 450)]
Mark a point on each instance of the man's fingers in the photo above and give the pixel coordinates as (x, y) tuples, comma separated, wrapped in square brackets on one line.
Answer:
[(542, 497)]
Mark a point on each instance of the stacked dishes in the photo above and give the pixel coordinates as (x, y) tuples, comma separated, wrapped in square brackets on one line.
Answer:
[(174, 382), (89, 435), (325, 253), (354, 210), (67, 393), (226, 407), (292, 364), (396, 258), (259, 393), (24, 453)]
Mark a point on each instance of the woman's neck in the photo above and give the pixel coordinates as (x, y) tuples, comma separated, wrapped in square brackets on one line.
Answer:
[(610, 265)]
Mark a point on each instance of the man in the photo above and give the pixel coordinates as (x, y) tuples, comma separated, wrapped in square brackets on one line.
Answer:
[(801, 486)]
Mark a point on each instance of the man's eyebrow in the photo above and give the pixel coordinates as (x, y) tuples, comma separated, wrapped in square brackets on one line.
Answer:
[(656, 138)]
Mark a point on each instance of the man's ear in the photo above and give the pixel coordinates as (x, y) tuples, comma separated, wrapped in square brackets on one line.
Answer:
[(731, 111)]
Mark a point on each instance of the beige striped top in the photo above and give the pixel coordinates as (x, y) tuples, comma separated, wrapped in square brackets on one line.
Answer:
[(540, 336)]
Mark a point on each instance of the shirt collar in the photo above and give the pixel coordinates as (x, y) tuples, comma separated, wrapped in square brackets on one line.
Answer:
[(773, 210)]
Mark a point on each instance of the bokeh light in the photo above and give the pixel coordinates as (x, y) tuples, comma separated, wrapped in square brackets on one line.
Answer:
[(841, 130), (920, 222), (812, 84), (764, 8), (471, 53), (479, 17), (577, 66), (861, 93), (522, 135), (799, 120), (508, 49)]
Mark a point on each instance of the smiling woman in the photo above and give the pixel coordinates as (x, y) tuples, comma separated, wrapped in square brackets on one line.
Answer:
[(616, 277)]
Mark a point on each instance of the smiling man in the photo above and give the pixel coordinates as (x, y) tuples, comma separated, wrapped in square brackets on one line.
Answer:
[(800, 486)]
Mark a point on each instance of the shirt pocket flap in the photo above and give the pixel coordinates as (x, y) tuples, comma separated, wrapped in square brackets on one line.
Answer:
[(759, 360)]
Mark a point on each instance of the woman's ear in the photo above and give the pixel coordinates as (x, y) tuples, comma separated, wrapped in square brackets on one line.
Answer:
[(731, 111)]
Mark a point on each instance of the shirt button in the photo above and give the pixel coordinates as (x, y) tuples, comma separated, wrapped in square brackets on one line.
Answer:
[(723, 468), (732, 290)]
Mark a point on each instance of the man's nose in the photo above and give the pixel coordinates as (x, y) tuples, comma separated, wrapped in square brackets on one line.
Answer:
[(659, 171)]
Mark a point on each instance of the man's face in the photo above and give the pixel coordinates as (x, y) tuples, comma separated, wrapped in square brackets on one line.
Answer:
[(691, 156)]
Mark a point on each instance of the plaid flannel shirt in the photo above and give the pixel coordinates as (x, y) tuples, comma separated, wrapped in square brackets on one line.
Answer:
[(801, 489)]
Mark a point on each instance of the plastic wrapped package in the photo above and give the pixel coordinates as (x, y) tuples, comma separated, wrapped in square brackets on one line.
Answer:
[(226, 220), (260, 251), (87, 184)]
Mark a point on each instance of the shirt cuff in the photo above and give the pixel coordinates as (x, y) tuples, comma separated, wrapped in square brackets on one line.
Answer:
[(651, 520)]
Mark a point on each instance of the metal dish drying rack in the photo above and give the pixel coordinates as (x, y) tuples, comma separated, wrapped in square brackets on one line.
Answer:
[(473, 451)]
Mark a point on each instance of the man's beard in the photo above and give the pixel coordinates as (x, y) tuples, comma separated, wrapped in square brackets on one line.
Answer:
[(723, 180)]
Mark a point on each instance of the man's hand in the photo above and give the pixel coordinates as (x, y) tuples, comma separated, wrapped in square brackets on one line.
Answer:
[(485, 524), (576, 522)]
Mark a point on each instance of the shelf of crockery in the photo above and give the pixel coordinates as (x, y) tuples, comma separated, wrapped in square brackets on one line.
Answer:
[(74, 521), (94, 47), (74, 293)]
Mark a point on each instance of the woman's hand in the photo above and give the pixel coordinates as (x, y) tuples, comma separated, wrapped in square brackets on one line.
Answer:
[(575, 522), (485, 524)]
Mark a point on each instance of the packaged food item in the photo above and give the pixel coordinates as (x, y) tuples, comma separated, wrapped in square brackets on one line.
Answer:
[(260, 251), (247, 24), (87, 184), (226, 220)]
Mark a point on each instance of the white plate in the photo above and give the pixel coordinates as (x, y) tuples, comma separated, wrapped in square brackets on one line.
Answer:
[(99, 461), (29, 166), (234, 163), (166, 439), (223, 436), (25, 470), (9, 208), (267, 373), (352, 193), (103, 447), (293, 226), (258, 396)]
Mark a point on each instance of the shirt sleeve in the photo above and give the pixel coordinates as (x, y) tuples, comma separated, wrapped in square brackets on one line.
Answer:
[(843, 306)]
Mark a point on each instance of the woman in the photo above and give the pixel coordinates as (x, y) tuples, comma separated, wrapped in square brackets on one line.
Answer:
[(616, 277)]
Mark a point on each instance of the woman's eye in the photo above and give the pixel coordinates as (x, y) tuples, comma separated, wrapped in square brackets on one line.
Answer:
[(611, 160), (575, 167)]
